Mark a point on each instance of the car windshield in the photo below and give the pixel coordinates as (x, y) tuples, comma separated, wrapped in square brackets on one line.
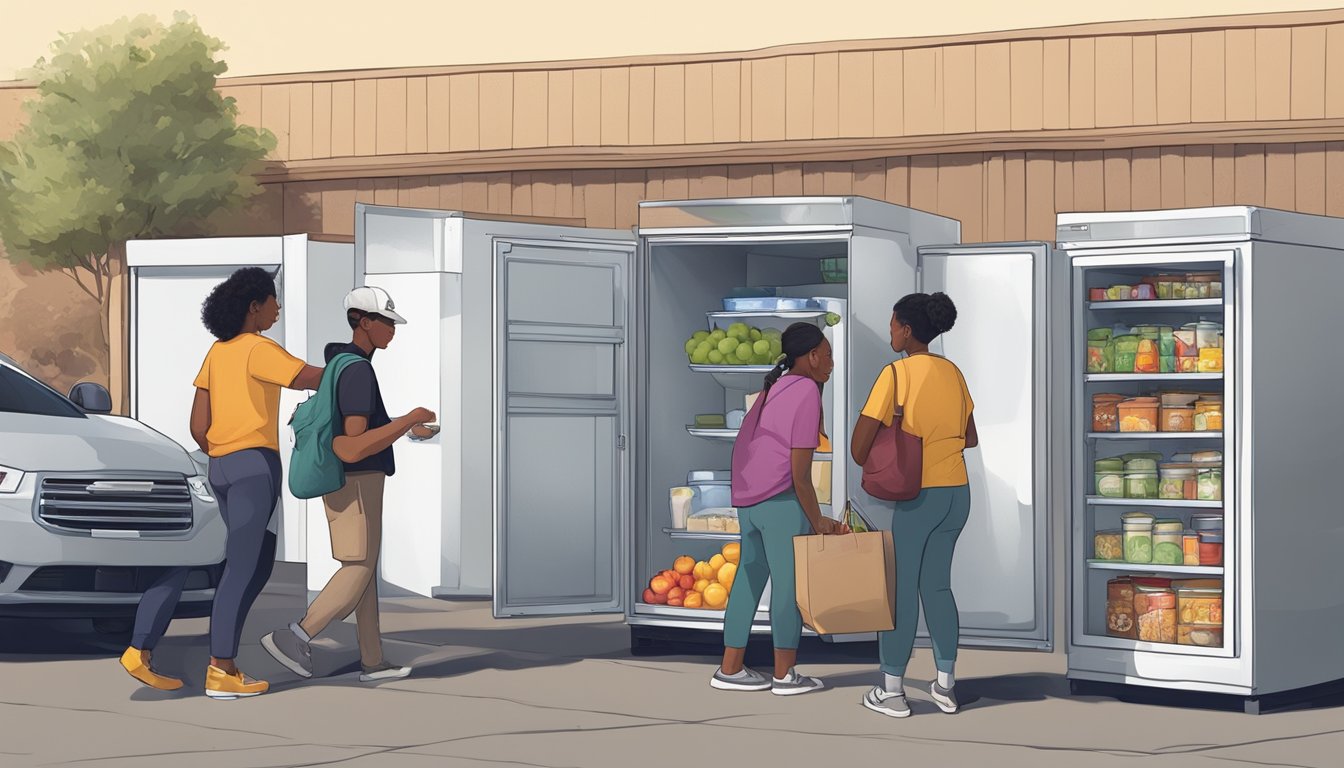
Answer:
[(20, 394)]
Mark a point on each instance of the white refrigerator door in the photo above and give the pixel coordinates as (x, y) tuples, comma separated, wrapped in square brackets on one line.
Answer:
[(1000, 572)]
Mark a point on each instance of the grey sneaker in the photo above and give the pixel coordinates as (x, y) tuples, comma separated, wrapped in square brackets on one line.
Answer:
[(889, 704), (290, 650), (746, 680), (944, 698), (382, 672), (794, 684)]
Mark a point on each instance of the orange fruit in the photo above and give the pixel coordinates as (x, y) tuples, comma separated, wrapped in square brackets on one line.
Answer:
[(671, 576), (703, 571), (716, 562), (716, 596), (726, 575), (687, 582), (693, 600), (732, 552), (701, 584), (660, 585), (649, 596), (684, 565), (676, 602), (676, 593)]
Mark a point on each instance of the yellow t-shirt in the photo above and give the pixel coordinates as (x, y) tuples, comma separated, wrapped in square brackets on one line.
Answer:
[(937, 407), (244, 376)]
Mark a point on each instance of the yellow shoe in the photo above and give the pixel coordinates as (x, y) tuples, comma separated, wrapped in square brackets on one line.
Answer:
[(133, 661), (221, 685)]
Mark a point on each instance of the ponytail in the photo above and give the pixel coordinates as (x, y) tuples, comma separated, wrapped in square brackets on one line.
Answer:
[(798, 339)]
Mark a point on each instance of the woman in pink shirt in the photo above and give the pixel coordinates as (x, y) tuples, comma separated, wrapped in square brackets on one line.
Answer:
[(772, 489)]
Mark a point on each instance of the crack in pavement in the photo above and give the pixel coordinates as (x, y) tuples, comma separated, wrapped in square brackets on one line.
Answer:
[(1257, 762), (142, 717), (488, 760), (200, 752), (642, 666)]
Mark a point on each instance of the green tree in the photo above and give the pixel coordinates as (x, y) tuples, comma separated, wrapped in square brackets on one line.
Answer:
[(127, 139)]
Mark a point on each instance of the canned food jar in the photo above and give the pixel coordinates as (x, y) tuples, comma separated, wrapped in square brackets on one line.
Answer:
[(1209, 484), (1176, 482), (1155, 610), (1138, 532), (1167, 536), (1206, 333), (1141, 485), (1108, 545), (1200, 602), (1110, 478)]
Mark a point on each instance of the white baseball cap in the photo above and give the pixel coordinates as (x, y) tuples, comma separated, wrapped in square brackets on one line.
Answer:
[(374, 301)]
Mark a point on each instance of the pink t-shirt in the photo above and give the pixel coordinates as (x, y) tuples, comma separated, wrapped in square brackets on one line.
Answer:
[(761, 455)]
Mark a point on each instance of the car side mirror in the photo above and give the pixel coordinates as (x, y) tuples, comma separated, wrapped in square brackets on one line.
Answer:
[(91, 397)]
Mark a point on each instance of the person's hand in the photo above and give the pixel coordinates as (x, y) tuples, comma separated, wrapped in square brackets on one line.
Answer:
[(422, 432), (827, 527), (422, 416)]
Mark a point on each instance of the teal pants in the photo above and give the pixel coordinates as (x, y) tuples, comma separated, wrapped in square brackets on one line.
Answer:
[(768, 529), (924, 531)]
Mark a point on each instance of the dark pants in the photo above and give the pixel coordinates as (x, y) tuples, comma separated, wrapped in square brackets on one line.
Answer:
[(247, 485), (160, 600)]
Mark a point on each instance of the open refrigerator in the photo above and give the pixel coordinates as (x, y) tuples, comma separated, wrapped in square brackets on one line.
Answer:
[(1248, 605)]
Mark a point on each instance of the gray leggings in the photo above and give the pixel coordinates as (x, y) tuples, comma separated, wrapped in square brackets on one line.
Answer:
[(247, 485)]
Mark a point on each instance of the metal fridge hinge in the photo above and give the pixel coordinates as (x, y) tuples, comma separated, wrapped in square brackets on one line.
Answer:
[(620, 442)]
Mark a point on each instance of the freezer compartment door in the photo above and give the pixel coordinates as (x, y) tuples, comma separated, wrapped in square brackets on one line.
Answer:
[(1001, 568), (561, 421)]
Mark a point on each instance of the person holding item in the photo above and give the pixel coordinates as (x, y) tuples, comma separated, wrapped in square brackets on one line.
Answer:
[(772, 489), (937, 408), (364, 434), (235, 418)]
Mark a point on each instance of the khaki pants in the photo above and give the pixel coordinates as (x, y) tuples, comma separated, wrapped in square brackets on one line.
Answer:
[(355, 516)]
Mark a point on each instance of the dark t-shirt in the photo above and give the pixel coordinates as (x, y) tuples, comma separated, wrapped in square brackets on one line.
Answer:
[(357, 394)]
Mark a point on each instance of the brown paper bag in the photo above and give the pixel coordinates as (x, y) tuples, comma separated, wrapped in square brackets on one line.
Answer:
[(846, 584)]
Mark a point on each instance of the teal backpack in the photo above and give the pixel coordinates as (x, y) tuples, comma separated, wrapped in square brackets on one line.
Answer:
[(314, 468)]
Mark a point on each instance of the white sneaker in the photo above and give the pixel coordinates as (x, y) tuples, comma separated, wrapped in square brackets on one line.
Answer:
[(944, 698), (794, 684), (746, 680), (382, 672), (889, 704)]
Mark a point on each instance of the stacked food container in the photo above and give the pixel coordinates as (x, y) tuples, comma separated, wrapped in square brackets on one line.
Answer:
[(1195, 444)]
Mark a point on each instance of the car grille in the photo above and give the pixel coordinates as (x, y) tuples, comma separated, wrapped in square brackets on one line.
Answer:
[(125, 579), (161, 505)]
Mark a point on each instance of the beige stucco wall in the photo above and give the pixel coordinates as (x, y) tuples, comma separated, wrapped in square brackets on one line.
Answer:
[(270, 37)]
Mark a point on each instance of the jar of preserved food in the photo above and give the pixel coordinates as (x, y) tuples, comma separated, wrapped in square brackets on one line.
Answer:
[(1108, 545), (1141, 485), (1208, 415), (1178, 418), (1190, 548), (1176, 482), (1155, 611), (1209, 484), (1138, 414), (1211, 548), (1106, 412), (1138, 530), (1200, 602), (1110, 477), (1167, 536), (1120, 608), (1206, 334)]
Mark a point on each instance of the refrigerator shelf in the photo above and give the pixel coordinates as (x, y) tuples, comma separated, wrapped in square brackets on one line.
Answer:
[(1106, 501), (784, 314), (747, 378), (1121, 565), (682, 533), (715, 433), (1140, 646), (707, 614), (1101, 377), (1155, 435), (1157, 304)]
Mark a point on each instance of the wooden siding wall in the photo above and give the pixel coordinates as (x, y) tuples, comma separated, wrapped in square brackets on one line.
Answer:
[(996, 196)]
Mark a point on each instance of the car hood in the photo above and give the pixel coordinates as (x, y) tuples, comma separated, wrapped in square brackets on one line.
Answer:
[(61, 444)]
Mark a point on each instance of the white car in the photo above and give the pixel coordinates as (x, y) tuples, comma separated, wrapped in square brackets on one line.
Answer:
[(93, 507)]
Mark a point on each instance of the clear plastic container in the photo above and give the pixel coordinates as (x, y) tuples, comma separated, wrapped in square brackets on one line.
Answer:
[(1141, 485), (1176, 482), (1208, 416), (1167, 536), (1209, 484), (1211, 548), (1110, 478), (1138, 533), (1155, 611), (1199, 602), (768, 304), (1108, 545)]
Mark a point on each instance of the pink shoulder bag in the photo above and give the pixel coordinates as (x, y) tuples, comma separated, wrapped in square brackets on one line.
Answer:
[(895, 467)]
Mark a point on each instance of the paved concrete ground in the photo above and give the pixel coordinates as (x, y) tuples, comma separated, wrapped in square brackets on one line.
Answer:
[(568, 693)]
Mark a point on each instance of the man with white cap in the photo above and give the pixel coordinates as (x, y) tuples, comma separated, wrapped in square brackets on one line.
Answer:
[(364, 435)]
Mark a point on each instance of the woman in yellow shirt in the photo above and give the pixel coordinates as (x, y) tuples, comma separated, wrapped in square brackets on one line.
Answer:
[(937, 408)]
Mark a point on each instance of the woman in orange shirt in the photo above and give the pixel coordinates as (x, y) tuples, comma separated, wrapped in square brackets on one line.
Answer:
[(937, 408)]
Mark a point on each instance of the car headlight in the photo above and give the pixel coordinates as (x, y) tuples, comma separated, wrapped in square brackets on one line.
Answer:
[(10, 479), (200, 489)]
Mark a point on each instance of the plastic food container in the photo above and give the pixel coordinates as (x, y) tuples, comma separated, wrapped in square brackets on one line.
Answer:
[(768, 304), (1120, 608), (1206, 333), (1126, 349), (1211, 360), (1176, 482), (1208, 416), (1106, 412), (1138, 533), (1108, 545), (1155, 611), (1143, 292), (1119, 292), (1209, 484), (1138, 414), (1141, 485), (1167, 536), (1211, 548), (712, 489), (1110, 478), (1199, 602), (1177, 418), (1138, 462), (1190, 548), (1206, 637), (1206, 523)]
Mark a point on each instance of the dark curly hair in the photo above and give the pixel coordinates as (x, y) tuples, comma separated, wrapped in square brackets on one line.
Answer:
[(225, 309), (928, 315)]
